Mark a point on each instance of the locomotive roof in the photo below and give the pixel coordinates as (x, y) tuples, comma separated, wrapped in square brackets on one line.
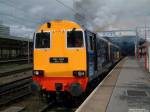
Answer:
[(63, 25), (59, 25)]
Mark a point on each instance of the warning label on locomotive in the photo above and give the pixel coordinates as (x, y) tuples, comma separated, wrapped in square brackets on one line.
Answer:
[(59, 60)]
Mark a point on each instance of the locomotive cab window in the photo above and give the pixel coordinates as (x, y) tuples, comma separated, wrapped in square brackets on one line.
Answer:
[(75, 39), (42, 40)]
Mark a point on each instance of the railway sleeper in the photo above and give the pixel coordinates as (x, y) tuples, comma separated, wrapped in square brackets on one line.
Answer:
[(14, 94), (15, 84)]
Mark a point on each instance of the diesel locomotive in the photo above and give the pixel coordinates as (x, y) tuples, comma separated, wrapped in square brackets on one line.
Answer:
[(67, 57)]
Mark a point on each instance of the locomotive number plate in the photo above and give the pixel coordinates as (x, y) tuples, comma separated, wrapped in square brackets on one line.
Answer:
[(59, 60)]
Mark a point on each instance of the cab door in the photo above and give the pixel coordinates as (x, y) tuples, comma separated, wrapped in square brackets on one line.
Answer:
[(91, 54)]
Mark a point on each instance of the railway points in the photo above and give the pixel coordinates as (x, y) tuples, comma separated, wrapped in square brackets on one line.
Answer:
[(125, 89)]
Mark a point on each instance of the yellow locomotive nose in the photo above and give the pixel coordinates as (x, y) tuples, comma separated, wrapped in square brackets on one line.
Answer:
[(60, 49), (68, 57)]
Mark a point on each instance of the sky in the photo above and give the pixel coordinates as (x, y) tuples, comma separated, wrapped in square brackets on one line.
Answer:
[(24, 16)]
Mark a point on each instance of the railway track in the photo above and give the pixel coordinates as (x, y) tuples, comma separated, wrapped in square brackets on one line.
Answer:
[(47, 106), (14, 86), (12, 69), (56, 107), (15, 91), (23, 60), (11, 72)]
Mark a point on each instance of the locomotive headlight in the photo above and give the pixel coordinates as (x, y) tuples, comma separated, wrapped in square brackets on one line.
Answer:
[(38, 72), (79, 73)]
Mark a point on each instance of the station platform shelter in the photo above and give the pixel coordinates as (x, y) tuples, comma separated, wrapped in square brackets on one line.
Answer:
[(125, 89)]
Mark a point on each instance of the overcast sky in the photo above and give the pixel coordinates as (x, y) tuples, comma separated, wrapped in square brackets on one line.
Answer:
[(24, 16)]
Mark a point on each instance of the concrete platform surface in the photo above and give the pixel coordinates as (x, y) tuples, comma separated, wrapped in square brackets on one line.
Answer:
[(125, 89)]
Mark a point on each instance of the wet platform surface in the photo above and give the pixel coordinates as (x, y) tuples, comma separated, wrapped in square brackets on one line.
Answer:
[(125, 89)]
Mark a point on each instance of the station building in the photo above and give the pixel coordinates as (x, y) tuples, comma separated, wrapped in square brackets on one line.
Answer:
[(12, 47)]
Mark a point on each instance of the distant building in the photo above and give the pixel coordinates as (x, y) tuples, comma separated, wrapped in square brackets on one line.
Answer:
[(4, 30), (5, 33), (117, 33), (12, 47)]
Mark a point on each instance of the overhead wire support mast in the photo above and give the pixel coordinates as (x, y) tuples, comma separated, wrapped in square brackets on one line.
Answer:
[(146, 50)]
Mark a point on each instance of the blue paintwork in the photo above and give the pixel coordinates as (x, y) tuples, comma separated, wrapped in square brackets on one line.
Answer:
[(91, 63)]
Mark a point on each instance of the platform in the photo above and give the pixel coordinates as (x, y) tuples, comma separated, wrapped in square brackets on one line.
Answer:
[(125, 89)]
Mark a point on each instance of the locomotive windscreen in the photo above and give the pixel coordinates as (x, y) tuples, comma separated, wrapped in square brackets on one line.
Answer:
[(42, 40), (75, 39)]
